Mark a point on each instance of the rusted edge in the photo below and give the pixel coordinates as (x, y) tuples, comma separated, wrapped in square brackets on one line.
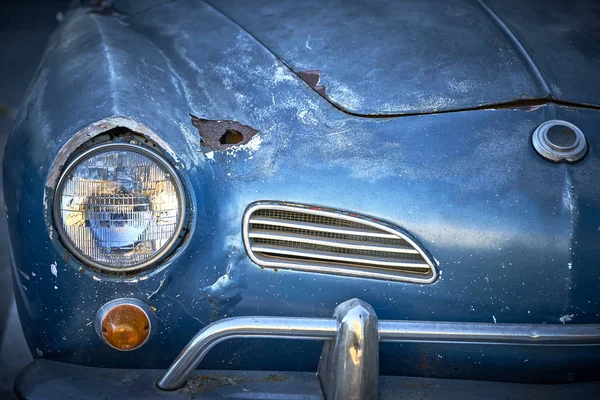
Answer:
[(100, 7), (82, 137), (312, 77)]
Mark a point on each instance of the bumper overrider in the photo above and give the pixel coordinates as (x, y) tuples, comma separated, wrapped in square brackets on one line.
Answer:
[(348, 367)]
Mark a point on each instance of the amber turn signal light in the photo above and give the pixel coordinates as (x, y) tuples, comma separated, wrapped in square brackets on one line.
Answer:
[(124, 324)]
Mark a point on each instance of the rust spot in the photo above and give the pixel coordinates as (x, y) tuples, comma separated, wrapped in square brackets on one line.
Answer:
[(221, 135), (101, 7), (276, 378), (312, 77), (207, 383)]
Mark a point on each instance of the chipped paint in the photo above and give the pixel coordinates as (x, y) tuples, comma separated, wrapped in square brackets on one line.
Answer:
[(24, 275), (566, 318), (160, 285), (283, 74), (53, 269), (252, 146)]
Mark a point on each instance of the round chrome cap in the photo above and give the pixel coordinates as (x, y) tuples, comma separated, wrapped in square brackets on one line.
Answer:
[(559, 141)]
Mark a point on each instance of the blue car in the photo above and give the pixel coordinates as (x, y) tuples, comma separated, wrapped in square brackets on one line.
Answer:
[(310, 200)]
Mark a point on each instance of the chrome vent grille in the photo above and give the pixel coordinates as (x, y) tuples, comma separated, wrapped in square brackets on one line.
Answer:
[(298, 237)]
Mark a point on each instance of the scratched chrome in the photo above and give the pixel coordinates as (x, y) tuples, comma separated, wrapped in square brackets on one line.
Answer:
[(349, 365)]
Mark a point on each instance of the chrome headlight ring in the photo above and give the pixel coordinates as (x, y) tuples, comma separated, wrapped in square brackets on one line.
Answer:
[(126, 211)]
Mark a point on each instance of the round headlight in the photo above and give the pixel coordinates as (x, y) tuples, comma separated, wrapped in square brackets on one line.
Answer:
[(119, 207)]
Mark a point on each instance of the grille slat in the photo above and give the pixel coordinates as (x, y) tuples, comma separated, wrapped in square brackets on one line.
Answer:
[(332, 256), (312, 239), (341, 243), (321, 227)]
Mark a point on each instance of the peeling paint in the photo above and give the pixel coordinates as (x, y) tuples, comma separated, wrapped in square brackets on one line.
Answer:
[(252, 146)]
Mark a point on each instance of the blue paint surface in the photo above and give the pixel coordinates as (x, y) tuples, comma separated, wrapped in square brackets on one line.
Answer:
[(516, 237)]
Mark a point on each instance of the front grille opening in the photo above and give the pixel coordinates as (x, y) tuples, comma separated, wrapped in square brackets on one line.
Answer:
[(303, 238)]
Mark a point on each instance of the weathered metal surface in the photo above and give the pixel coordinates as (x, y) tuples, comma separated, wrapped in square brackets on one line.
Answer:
[(49, 380), (516, 237), (404, 57)]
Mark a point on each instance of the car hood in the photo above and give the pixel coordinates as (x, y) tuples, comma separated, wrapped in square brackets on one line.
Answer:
[(406, 57)]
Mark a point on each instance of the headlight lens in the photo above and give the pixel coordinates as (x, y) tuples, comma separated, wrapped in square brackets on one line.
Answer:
[(119, 207)]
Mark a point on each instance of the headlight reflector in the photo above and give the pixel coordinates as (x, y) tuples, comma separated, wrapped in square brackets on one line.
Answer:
[(119, 207)]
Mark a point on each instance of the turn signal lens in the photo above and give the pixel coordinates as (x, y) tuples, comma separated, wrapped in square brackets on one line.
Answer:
[(125, 326)]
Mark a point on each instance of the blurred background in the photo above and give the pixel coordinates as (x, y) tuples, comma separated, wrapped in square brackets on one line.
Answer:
[(25, 27)]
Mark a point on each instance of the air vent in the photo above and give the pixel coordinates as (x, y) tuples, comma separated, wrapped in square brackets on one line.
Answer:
[(298, 237)]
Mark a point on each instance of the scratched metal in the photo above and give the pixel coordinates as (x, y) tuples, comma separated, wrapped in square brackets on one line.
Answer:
[(516, 237)]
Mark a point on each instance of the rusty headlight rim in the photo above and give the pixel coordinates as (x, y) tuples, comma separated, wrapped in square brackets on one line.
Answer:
[(156, 157)]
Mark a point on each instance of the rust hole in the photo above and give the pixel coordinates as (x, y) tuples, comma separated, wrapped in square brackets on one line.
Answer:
[(222, 134), (231, 137)]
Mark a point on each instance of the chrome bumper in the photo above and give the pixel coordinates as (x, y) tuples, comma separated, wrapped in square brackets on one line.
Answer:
[(349, 365)]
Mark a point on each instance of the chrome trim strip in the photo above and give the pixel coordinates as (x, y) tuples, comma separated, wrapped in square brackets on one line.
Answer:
[(330, 267), (323, 241), (308, 226), (111, 146), (324, 267), (327, 255), (489, 333), (389, 331)]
